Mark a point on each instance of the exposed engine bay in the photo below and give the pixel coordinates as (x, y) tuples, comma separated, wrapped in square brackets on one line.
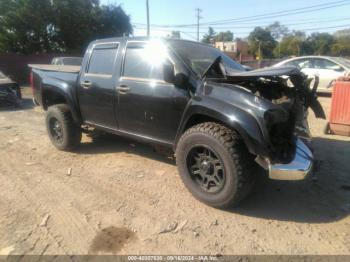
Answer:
[(292, 92)]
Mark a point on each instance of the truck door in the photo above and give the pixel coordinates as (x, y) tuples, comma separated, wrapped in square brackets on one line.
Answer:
[(147, 105), (97, 86)]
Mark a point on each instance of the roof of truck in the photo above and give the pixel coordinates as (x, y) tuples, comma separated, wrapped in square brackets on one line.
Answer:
[(140, 38)]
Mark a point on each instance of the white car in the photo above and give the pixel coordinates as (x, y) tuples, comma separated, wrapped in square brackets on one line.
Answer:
[(327, 68)]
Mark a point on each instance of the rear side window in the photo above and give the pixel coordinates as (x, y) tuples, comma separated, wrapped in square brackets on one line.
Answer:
[(137, 66), (102, 59)]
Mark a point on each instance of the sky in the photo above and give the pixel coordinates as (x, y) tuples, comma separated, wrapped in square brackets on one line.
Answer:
[(244, 13)]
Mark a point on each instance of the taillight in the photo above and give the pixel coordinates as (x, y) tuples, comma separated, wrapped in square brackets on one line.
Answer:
[(31, 81)]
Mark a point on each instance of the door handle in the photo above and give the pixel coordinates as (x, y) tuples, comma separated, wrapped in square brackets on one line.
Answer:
[(86, 84), (123, 89)]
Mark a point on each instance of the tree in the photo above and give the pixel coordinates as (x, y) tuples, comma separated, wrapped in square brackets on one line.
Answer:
[(291, 44), (209, 38), (340, 33), (81, 21), (28, 26), (341, 46), (278, 31), (320, 43), (224, 36), (261, 43), (175, 35)]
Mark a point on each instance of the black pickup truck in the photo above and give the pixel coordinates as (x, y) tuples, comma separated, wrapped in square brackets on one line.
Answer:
[(223, 123)]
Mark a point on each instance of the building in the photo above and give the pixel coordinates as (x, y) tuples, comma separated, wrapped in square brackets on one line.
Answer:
[(237, 46), (235, 49)]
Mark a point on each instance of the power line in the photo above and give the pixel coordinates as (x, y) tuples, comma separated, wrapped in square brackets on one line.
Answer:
[(245, 33), (312, 8), (291, 24), (307, 9)]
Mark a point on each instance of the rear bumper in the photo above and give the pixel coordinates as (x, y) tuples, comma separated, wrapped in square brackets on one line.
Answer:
[(298, 168)]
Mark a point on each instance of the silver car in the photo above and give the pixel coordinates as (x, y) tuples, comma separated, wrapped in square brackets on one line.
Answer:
[(327, 68)]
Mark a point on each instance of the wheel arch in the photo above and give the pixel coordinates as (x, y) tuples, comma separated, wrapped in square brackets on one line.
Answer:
[(244, 124), (53, 95)]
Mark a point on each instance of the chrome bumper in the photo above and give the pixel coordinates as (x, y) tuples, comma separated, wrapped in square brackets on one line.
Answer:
[(298, 168)]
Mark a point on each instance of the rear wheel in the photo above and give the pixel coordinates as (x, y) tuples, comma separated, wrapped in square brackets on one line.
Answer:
[(64, 133), (215, 165)]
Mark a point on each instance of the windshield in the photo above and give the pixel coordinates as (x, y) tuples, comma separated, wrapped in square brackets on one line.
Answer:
[(344, 61), (199, 57)]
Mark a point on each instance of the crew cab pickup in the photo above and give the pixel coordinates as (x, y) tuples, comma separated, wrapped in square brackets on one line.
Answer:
[(224, 124)]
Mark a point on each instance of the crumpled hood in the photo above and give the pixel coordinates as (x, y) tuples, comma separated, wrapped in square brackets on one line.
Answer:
[(268, 72)]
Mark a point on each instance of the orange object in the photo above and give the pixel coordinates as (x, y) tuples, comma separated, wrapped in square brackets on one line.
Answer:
[(339, 122)]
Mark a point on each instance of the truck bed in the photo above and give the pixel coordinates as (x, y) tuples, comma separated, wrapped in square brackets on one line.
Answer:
[(57, 68)]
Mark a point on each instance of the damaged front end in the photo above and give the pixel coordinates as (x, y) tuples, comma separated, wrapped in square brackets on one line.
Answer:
[(290, 155)]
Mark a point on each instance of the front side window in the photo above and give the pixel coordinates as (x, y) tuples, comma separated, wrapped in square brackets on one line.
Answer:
[(144, 60), (303, 63), (102, 60), (326, 64)]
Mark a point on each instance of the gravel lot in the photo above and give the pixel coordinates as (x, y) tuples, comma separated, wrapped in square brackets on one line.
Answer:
[(118, 196)]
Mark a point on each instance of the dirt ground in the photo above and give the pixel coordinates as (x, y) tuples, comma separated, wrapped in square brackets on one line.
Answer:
[(118, 196)]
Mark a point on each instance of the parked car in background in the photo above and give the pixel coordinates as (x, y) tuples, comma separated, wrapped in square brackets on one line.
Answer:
[(328, 69), (10, 92), (73, 61)]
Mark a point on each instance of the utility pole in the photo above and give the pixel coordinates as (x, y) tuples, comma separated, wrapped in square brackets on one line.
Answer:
[(198, 15), (148, 25)]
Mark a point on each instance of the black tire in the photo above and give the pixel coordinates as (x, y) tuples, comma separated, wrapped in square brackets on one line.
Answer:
[(238, 164), (64, 133)]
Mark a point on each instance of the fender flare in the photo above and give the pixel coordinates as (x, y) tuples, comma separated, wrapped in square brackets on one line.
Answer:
[(64, 91), (244, 123)]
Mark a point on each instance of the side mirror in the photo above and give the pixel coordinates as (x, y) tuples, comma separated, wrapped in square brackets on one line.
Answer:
[(169, 72), (178, 79)]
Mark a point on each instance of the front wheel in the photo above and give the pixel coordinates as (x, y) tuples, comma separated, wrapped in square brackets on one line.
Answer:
[(64, 133), (215, 165)]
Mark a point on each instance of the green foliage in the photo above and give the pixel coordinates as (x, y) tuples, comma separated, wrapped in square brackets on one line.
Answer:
[(321, 43), (262, 43), (291, 44), (297, 43), (224, 36), (277, 30), (209, 38), (29, 26), (342, 33), (341, 46), (284, 43), (26, 25)]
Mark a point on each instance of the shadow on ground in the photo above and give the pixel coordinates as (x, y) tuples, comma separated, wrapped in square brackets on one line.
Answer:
[(324, 201), (26, 104), (306, 201), (108, 143)]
